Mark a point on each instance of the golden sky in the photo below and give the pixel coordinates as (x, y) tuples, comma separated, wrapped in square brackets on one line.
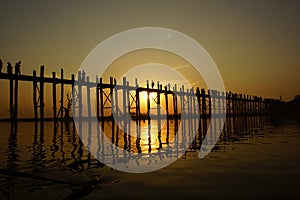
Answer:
[(255, 44)]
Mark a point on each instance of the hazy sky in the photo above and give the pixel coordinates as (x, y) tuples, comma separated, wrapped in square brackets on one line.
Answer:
[(255, 44)]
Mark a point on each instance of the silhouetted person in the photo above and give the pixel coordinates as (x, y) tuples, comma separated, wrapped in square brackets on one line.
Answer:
[(69, 107), (9, 68), (1, 65), (83, 75), (18, 68)]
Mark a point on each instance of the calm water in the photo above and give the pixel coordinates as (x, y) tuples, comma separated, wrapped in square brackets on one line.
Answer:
[(255, 157)]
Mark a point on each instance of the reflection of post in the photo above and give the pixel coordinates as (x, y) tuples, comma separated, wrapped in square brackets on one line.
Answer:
[(12, 150)]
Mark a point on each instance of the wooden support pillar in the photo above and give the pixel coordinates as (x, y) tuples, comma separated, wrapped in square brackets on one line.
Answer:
[(124, 98), (128, 98), (111, 82), (148, 102), (137, 101), (97, 100), (11, 97), (167, 102), (88, 92), (203, 98), (101, 100), (80, 83), (35, 105), (16, 95), (42, 104), (73, 95), (62, 94), (158, 108), (54, 96), (175, 103)]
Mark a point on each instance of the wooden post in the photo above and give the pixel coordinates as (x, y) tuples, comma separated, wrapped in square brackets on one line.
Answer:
[(54, 95), (16, 96), (35, 96), (117, 100), (101, 99), (88, 97), (42, 104), (97, 99), (128, 97), (62, 94), (203, 98), (11, 97), (73, 95), (80, 82), (111, 80), (175, 104), (204, 115), (167, 103), (124, 97), (148, 102), (137, 107), (158, 108)]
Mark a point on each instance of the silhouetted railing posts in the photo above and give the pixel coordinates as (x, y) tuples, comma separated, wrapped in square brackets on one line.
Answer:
[(210, 102)]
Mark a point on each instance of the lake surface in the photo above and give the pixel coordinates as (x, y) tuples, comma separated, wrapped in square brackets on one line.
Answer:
[(254, 157)]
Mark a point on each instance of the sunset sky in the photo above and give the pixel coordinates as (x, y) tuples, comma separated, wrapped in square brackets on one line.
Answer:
[(255, 44)]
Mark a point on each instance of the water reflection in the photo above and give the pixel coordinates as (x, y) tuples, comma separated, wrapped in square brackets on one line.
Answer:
[(36, 151), (62, 144)]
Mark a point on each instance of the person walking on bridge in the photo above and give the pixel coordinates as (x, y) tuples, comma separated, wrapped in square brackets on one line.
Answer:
[(9, 68), (18, 68)]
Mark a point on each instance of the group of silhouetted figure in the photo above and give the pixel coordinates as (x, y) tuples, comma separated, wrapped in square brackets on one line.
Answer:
[(10, 67)]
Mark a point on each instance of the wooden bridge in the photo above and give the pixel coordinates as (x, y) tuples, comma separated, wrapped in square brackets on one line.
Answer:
[(177, 102)]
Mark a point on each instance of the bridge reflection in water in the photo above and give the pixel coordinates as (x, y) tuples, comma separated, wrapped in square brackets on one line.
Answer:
[(62, 143)]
